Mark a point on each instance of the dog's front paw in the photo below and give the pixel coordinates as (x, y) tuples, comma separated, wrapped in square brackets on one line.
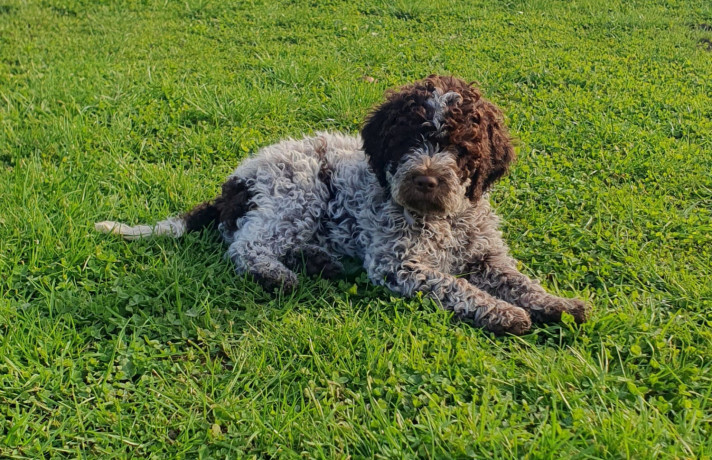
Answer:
[(579, 309), (549, 310), (508, 319)]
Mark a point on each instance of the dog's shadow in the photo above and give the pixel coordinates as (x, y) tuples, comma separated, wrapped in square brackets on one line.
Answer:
[(179, 287), (187, 293)]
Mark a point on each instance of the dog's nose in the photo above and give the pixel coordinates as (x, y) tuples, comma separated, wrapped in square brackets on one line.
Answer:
[(425, 183)]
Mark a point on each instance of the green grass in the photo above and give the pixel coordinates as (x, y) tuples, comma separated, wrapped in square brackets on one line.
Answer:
[(135, 110)]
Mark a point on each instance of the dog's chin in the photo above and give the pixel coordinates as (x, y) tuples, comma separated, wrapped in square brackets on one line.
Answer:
[(425, 209), (423, 204)]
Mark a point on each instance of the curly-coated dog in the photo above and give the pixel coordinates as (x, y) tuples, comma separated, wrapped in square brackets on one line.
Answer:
[(408, 198)]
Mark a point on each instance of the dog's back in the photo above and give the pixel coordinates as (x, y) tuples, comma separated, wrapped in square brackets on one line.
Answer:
[(291, 179)]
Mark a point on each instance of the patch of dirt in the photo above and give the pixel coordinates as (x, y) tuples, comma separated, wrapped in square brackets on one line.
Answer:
[(706, 44)]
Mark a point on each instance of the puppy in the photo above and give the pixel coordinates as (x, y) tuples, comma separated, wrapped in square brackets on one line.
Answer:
[(408, 198)]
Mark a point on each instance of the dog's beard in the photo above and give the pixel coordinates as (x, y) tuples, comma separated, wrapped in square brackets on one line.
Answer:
[(446, 198)]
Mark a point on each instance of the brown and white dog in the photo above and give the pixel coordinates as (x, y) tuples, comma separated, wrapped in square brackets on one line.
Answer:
[(408, 198)]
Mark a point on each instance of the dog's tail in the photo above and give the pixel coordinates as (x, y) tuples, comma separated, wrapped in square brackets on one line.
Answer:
[(226, 208), (202, 216)]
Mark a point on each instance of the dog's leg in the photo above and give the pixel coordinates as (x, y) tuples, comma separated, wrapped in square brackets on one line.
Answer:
[(260, 261), (315, 260), (498, 275), (455, 294)]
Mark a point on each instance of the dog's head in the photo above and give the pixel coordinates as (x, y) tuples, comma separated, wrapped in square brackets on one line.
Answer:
[(436, 143)]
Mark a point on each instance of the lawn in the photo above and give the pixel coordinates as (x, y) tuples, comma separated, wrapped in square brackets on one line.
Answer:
[(136, 110)]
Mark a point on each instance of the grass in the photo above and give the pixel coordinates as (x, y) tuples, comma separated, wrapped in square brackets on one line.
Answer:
[(135, 110)]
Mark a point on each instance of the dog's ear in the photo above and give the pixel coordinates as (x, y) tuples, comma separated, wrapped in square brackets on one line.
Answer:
[(485, 147), (374, 135), (501, 151), (394, 127)]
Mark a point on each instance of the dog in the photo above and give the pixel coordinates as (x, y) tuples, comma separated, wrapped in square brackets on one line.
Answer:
[(409, 198)]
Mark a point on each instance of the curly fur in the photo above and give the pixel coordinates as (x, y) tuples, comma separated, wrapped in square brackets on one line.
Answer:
[(408, 198)]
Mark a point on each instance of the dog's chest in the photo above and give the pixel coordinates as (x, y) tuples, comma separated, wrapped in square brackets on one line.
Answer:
[(445, 244)]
